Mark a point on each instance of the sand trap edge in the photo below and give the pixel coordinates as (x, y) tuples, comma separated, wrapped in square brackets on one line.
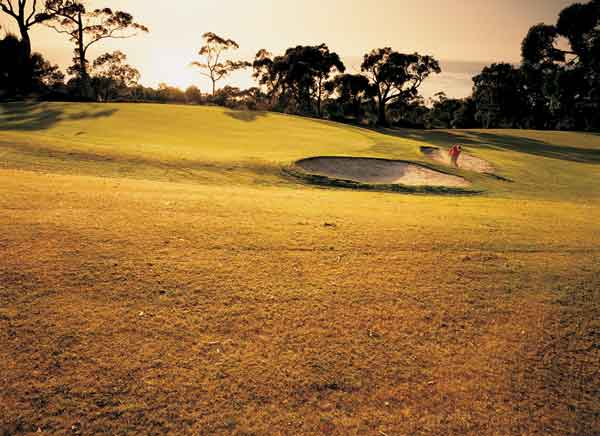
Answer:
[(433, 153), (294, 171)]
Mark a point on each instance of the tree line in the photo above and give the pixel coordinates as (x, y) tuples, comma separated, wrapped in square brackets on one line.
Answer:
[(556, 86)]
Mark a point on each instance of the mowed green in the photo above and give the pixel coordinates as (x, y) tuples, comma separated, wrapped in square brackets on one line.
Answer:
[(160, 273)]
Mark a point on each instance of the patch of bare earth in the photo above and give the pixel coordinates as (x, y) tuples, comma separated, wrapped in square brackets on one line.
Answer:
[(465, 160), (379, 171)]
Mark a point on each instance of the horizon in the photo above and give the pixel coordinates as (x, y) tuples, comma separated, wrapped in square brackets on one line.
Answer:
[(463, 37)]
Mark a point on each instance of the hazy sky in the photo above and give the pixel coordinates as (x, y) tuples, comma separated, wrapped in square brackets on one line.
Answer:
[(464, 34)]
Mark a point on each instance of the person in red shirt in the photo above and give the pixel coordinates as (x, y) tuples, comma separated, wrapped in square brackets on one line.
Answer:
[(455, 154)]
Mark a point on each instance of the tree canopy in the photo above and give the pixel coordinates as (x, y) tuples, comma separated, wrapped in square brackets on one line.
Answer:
[(86, 28), (396, 76), (298, 76), (352, 90), (499, 96), (564, 81), (113, 76)]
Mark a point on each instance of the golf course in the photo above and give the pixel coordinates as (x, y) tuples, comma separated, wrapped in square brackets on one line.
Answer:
[(173, 269)]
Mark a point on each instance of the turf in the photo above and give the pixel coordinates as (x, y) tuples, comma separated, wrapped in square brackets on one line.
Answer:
[(159, 273)]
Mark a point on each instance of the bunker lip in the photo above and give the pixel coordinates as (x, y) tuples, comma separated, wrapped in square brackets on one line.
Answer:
[(378, 172), (465, 160)]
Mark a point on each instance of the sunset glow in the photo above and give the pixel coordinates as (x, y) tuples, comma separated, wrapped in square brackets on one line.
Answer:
[(472, 30)]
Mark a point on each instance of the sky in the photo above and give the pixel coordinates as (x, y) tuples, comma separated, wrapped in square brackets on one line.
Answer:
[(464, 35)]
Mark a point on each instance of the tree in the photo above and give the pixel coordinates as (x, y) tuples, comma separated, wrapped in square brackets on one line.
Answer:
[(236, 98), (538, 46), (500, 96), (563, 80), (413, 114), (396, 76), (306, 69), (464, 116), (26, 14), (299, 76), (580, 24), (271, 74), (14, 74), (351, 90), (166, 93), (442, 111), (22, 74), (452, 113), (112, 76), (254, 99), (193, 95), (324, 63), (214, 67), (86, 28)]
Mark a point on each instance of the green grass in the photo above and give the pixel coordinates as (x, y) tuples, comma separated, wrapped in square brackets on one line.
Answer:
[(159, 272), (181, 143)]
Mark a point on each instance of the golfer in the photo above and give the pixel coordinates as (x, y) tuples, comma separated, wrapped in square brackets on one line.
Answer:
[(455, 154)]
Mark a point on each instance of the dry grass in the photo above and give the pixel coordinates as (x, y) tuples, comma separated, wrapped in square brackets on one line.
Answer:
[(144, 306)]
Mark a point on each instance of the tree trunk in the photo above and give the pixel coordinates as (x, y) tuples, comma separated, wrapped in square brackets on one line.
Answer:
[(381, 115), (319, 98), (25, 40), (359, 108), (85, 87)]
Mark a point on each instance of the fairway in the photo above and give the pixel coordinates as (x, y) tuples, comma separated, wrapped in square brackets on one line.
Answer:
[(161, 272)]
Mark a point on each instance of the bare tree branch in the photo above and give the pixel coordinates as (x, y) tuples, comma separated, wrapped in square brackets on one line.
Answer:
[(8, 9), (66, 32), (33, 10), (110, 35)]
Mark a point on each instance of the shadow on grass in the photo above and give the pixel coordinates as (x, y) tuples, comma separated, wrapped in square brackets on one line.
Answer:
[(498, 141), (32, 116), (48, 159), (247, 116)]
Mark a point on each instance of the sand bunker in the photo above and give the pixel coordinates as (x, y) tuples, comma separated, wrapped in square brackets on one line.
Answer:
[(378, 171), (465, 161)]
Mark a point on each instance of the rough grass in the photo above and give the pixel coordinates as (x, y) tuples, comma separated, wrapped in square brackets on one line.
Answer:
[(159, 274)]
